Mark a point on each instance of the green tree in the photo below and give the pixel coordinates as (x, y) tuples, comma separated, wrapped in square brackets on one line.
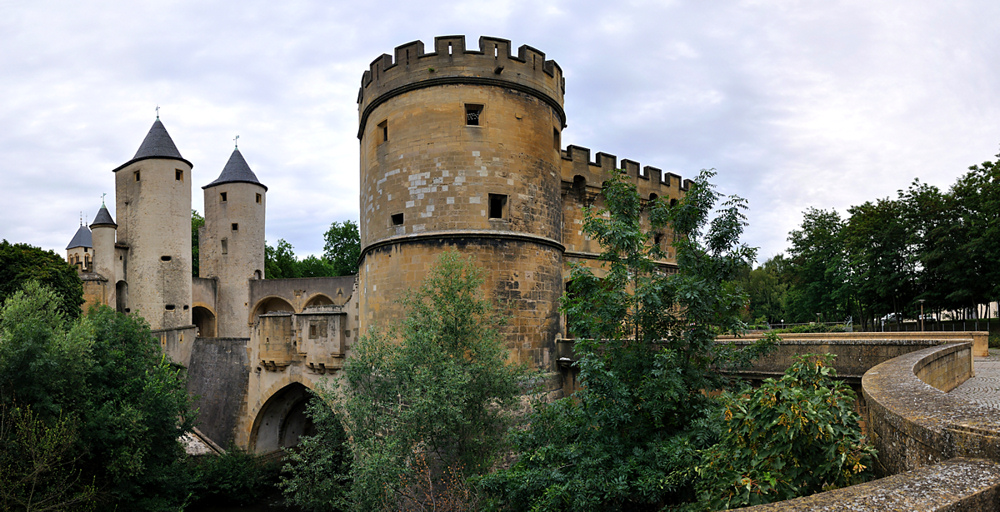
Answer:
[(312, 266), (279, 261), (316, 475), (197, 221), (431, 398), (767, 289), (106, 373), (819, 268), (882, 272), (20, 263), (38, 469), (629, 438), (787, 438), (343, 247)]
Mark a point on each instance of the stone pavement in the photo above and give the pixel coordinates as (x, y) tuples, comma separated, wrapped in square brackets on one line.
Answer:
[(984, 388)]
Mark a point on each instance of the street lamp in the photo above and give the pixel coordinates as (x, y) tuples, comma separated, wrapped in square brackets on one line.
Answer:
[(921, 301)]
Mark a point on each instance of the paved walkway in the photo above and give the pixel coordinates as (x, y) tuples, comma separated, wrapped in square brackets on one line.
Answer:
[(984, 388)]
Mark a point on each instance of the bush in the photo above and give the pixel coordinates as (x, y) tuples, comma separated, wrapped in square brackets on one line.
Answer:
[(233, 478), (788, 438)]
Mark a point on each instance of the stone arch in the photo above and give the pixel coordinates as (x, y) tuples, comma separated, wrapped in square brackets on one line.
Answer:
[(320, 299), (270, 304), (282, 419), (203, 317)]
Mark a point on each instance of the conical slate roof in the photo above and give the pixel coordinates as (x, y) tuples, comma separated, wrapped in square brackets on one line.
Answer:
[(236, 171), (103, 218), (82, 238), (157, 144)]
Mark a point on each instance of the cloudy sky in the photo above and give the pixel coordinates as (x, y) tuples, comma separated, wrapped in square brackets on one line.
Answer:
[(795, 103)]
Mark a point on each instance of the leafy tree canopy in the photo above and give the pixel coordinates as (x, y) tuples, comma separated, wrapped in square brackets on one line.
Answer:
[(343, 247), (20, 263), (106, 374), (629, 438)]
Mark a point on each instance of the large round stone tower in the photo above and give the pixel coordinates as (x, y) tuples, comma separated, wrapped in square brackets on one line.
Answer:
[(232, 244), (460, 148), (153, 205)]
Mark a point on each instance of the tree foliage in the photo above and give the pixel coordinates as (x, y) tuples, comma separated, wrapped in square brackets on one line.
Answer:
[(787, 438), (316, 474), (197, 221), (342, 247), (105, 373), (629, 438), (890, 254), (437, 388), (20, 263)]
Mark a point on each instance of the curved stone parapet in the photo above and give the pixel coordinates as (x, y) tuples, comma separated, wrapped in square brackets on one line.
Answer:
[(914, 422), (942, 451), (957, 484)]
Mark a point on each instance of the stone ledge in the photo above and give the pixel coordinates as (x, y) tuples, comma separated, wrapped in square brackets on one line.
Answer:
[(913, 423), (956, 484)]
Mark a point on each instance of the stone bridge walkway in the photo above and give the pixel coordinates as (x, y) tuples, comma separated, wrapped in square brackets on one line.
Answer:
[(984, 388)]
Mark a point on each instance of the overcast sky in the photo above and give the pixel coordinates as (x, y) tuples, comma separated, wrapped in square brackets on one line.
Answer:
[(796, 104)]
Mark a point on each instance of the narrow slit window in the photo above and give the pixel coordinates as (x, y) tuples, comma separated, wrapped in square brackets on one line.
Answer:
[(137, 175), (498, 206), (258, 198), (555, 138), (225, 246), (397, 219), (178, 175), (222, 197), (383, 131), (236, 227), (473, 114)]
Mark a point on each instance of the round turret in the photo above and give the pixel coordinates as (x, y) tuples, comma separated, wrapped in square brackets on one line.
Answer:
[(232, 243), (460, 148), (103, 229), (153, 204)]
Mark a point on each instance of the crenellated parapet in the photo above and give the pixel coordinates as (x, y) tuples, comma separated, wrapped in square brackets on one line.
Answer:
[(450, 63), (577, 166)]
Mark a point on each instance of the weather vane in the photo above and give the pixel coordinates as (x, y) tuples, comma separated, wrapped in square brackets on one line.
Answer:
[(157, 112), (102, 199), (81, 218), (236, 142)]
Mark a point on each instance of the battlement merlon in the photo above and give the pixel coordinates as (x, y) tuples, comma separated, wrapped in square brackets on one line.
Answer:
[(576, 163), (452, 63)]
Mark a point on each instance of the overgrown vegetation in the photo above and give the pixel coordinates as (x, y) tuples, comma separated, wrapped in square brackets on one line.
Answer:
[(233, 478), (426, 404), (91, 409), (629, 438), (787, 438)]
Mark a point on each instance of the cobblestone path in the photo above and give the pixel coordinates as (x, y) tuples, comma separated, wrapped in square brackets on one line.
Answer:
[(984, 388)]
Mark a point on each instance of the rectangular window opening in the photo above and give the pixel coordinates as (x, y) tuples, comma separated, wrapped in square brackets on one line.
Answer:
[(170, 307), (397, 219), (498, 206), (165, 258), (222, 197), (383, 130), (236, 226), (555, 137), (258, 198), (178, 175), (472, 114), (136, 175), (225, 246)]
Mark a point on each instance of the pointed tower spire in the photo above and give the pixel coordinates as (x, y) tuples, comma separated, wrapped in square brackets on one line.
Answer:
[(157, 144), (236, 171)]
